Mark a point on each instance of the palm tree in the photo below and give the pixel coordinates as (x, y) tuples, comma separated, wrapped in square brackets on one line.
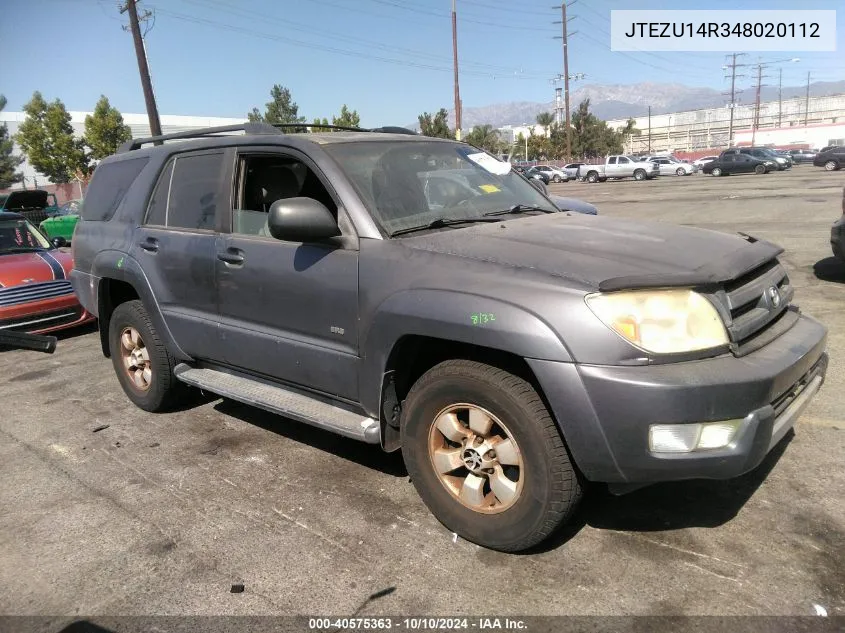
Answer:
[(484, 137), (545, 119)]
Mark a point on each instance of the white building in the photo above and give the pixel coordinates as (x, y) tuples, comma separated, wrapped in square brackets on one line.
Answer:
[(814, 123), (138, 124)]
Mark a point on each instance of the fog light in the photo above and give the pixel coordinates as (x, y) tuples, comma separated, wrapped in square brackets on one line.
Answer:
[(673, 438), (686, 438)]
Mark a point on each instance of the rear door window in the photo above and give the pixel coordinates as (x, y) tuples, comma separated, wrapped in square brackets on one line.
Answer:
[(109, 185), (157, 209), (194, 190)]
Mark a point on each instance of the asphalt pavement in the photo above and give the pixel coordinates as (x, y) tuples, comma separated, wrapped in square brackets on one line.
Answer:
[(109, 510)]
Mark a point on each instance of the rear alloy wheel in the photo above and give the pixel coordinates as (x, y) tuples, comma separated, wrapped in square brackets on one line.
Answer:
[(717, 171), (486, 457), (142, 363), (592, 177), (831, 165), (639, 174), (681, 171), (760, 169)]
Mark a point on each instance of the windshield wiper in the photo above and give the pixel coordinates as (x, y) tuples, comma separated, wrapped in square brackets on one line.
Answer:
[(21, 249), (440, 223), (518, 208)]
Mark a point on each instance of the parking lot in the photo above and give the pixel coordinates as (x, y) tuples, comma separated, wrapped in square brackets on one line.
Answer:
[(163, 513)]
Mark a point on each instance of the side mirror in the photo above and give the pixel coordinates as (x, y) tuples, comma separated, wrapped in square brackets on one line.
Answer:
[(58, 242), (539, 185), (301, 220)]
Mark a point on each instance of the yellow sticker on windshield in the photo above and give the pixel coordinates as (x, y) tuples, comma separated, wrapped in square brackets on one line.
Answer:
[(489, 188)]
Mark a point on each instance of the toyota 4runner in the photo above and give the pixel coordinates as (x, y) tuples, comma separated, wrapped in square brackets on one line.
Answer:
[(417, 294)]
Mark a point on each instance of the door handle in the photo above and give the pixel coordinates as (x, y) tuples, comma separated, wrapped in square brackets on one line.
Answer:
[(232, 256), (150, 245)]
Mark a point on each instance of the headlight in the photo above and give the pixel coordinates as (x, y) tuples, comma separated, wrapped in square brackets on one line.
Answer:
[(661, 321)]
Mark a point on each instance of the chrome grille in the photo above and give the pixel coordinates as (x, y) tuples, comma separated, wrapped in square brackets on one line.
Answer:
[(34, 292)]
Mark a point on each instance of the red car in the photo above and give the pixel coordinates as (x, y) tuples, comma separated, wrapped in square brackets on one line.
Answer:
[(35, 292)]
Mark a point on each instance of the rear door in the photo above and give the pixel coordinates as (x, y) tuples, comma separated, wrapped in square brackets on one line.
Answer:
[(175, 247)]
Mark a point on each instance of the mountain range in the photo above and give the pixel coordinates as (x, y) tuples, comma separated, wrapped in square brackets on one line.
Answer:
[(620, 101)]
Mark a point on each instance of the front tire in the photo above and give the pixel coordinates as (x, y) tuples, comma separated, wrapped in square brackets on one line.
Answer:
[(760, 169), (681, 171), (716, 171), (486, 457), (142, 363), (831, 165), (639, 174), (556, 178)]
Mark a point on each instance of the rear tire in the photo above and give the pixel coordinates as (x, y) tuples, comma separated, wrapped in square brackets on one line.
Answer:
[(461, 405), (760, 169), (141, 361), (592, 176), (639, 174)]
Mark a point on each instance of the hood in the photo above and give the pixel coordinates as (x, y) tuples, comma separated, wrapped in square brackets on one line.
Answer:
[(35, 267), (605, 253), (26, 199)]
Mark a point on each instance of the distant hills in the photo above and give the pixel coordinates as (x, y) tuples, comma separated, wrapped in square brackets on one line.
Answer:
[(619, 101)]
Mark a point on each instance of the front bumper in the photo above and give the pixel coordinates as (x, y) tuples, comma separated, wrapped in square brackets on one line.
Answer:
[(605, 411), (837, 239), (44, 316)]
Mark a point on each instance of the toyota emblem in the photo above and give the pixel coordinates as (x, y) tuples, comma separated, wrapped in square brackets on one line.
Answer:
[(774, 296)]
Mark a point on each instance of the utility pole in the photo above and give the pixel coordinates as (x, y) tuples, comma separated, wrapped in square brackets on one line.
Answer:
[(455, 61), (780, 94), (566, 79), (756, 121), (649, 130), (143, 68), (733, 66), (807, 101)]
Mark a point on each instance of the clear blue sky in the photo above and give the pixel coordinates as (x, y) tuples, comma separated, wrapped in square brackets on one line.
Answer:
[(389, 59)]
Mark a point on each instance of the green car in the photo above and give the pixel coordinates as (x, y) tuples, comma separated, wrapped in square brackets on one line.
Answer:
[(63, 222)]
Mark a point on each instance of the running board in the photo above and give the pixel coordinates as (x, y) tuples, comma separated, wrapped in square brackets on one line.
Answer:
[(286, 402)]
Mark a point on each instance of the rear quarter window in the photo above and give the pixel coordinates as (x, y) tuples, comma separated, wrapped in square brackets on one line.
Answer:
[(109, 185)]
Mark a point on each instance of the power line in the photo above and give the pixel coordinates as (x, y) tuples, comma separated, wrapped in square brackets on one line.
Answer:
[(413, 9)]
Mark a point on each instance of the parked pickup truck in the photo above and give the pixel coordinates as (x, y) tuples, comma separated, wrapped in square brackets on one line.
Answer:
[(512, 351), (619, 167)]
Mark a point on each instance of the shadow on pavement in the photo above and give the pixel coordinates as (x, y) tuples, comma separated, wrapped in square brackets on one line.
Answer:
[(671, 505), (830, 269), (367, 455)]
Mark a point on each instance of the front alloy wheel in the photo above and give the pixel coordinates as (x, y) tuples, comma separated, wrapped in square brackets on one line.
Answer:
[(476, 458), (831, 165), (717, 171)]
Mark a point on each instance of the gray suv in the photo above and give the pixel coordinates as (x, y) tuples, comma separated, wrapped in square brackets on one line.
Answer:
[(416, 294)]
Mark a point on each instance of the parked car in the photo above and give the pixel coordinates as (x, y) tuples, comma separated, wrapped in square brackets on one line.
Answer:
[(63, 222), (730, 163), (35, 292), (618, 167), (831, 159), (555, 174), (534, 172), (509, 350), (670, 166), (701, 162), (572, 170), (35, 205), (762, 153), (574, 204), (802, 155), (837, 234)]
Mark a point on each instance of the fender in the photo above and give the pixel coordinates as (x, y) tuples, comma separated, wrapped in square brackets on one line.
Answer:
[(117, 265), (453, 316)]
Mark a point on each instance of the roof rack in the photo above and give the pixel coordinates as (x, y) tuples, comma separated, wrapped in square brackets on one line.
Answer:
[(252, 127), (246, 128)]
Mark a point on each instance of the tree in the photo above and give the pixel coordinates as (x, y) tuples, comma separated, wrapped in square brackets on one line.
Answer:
[(545, 119), (484, 137), (46, 138), (591, 137), (282, 109), (315, 126), (8, 163), (436, 125), (105, 130), (347, 118)]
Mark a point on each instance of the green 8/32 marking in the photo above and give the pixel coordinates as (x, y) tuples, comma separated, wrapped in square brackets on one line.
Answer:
[(482, 318), (120, 263)]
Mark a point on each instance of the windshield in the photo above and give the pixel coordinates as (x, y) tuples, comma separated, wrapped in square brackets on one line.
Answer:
[(20, 235), (409, 184)]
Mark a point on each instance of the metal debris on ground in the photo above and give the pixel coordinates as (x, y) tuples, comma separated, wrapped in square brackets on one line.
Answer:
[(102, 427), (238, 587)]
